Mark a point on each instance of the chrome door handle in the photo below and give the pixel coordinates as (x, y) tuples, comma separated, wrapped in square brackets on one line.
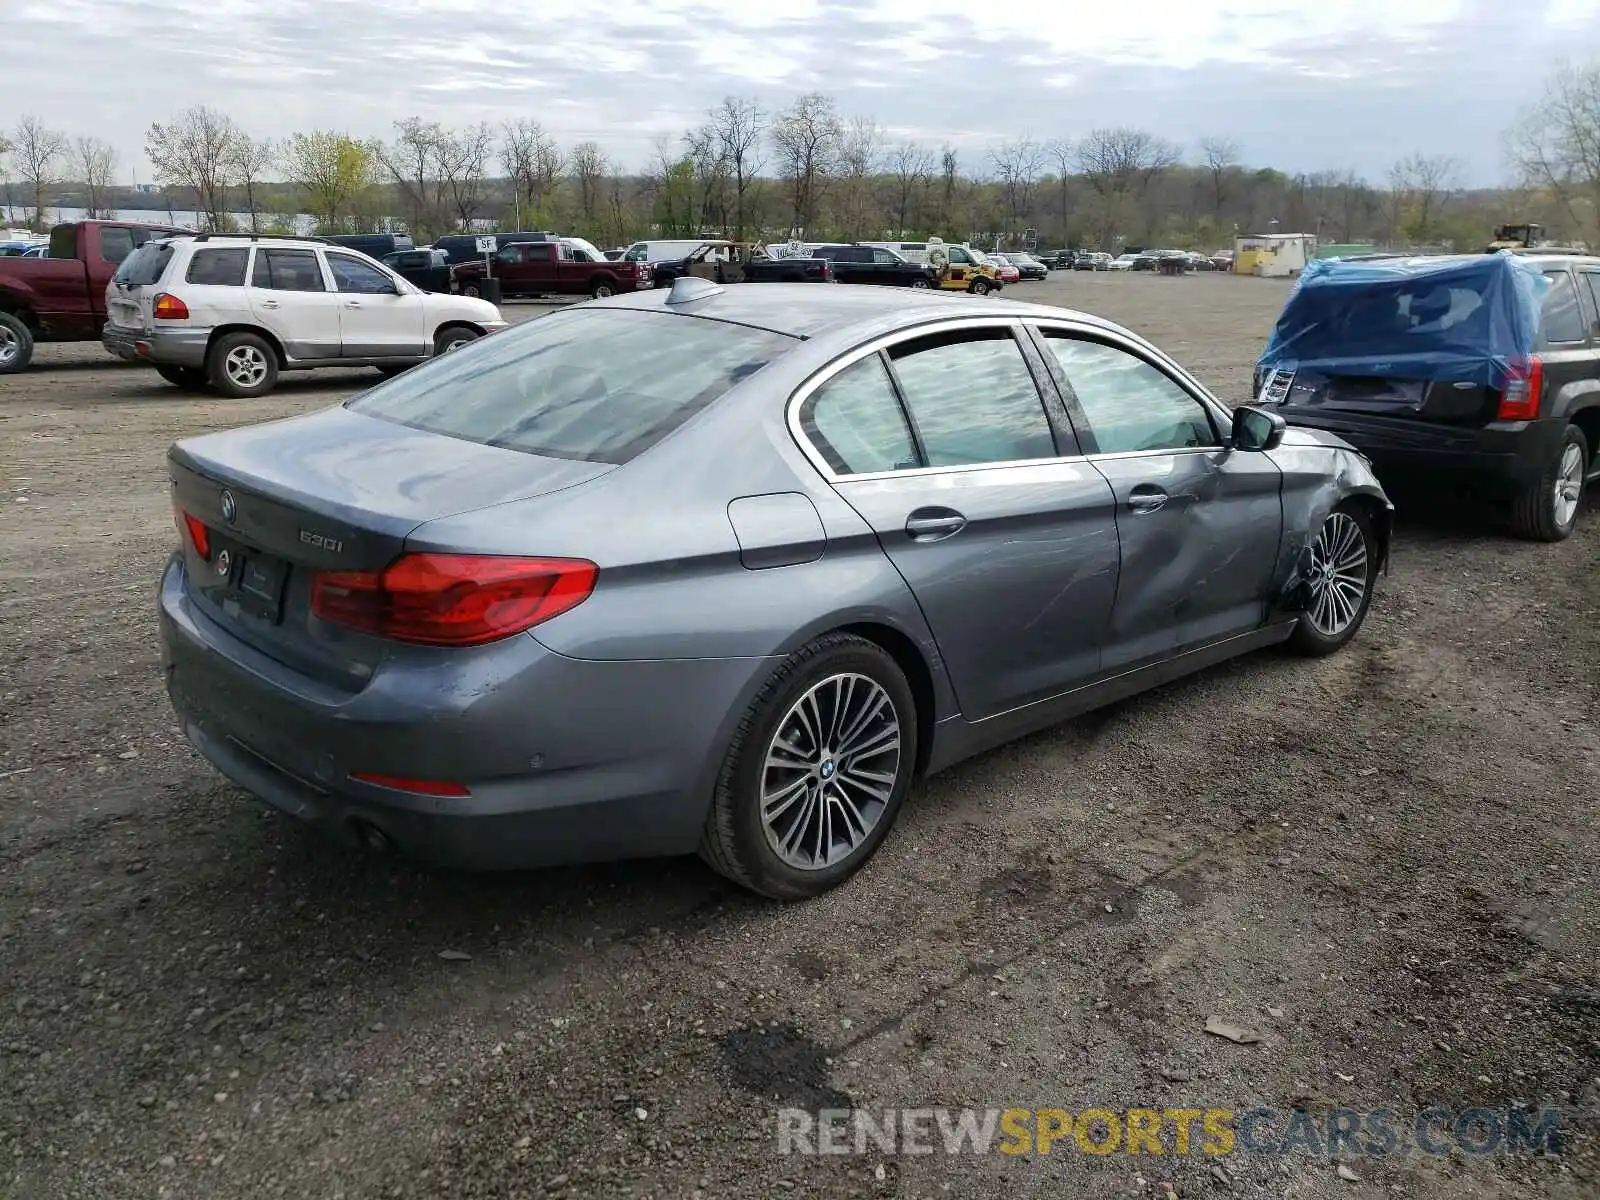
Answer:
[(352, 304), (937, 523), (1144, 502), (270, 304)]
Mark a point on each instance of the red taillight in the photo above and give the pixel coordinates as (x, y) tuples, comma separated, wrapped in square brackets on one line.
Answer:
[(422, 787), (452, 599), (199, 535), (170, 308), (1524, 385)]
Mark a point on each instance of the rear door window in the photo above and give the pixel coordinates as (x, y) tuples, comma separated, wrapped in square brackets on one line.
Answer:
[(972, 398), (596, 385), (288, 271), (219, 268), (116, 243), (1591, 281), (1563, 316)]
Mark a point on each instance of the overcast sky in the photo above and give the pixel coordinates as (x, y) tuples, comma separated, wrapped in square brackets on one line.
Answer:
[(1300, 84)]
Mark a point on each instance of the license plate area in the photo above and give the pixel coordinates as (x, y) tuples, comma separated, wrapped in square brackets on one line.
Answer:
[(253, 581)]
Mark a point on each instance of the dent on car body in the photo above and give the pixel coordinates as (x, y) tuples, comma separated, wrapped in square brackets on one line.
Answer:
[(1311, 492)]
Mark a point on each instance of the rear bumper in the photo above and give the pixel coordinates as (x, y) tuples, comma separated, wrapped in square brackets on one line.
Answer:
[(1513, 452), (567, 760), (167, 347)]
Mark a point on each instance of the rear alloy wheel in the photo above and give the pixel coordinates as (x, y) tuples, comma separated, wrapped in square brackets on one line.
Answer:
[(920, 284), (190, 379), (980, 287), (601, 291), (471, 289), (242, 365), (816, 773), (1547, 509), (16, 344), (454, 338), (1339, 577)]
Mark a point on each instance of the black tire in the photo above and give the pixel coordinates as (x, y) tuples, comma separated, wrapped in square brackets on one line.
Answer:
[(190, 379), (921, 284), (453, 337), (734, 842), (16, 344), (225, 365), (471, 289), (1307, 639), (980, 287), (1533, 511), (602, 289)]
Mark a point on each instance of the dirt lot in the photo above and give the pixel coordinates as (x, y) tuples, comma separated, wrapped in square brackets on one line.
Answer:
[(1385, 862)]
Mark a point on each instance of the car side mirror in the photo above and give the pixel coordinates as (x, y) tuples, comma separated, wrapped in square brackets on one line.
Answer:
[(1256, 429)]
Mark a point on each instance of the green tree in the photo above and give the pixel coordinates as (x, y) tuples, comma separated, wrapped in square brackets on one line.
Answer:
[(333, 171)]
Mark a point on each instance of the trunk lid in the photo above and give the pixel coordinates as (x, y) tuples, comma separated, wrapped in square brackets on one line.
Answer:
[(1308, 391), (333, 490)]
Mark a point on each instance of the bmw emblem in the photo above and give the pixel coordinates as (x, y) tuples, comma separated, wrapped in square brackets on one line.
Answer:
[(230, 510), (224, 563)]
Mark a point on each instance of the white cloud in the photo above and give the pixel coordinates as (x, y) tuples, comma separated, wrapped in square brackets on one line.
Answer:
[(1302, 84)]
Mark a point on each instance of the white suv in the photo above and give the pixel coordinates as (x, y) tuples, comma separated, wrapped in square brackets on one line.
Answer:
[(232, 311)]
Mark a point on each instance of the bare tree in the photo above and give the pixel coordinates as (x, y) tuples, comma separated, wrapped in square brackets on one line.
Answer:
[(194, 151), (1017, 166), (37, 153), (1421, 184), (588, 169), (95, 161), (1220, 157), (463, 157), (533, 163), (1064, 155), (703, 150), (412, 162), (737, 123), (5, 171), (1555, 146), (949, 184), (1118, 165), (806, 138), (249, 159), (860, 147), (910, 168)]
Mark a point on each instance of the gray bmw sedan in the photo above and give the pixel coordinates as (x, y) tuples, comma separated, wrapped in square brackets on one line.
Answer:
[(726, 569)]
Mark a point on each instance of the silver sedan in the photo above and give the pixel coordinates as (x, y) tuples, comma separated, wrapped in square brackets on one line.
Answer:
[(727, 569)]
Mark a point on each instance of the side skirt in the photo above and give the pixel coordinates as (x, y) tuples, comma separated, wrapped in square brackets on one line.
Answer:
[(958, 739)]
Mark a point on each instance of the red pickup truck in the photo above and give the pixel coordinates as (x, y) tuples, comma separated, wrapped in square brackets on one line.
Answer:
[(62, 298), (552, 269)]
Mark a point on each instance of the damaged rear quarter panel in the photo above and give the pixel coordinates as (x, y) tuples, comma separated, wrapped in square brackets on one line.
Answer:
[(1320, 472)]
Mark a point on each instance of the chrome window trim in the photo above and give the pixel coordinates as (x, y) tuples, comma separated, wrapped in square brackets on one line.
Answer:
[(1013, 322)]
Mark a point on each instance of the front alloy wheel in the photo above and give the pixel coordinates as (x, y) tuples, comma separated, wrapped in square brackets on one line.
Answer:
[(1341, 572)]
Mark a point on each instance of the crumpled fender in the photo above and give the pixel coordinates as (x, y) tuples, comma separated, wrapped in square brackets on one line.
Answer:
[(1320, 472)]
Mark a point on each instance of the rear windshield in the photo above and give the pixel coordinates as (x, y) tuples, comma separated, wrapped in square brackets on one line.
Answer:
[(146, 265), (597, 385), (1388, 319)]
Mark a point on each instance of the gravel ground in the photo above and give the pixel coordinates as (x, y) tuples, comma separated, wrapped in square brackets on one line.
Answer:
[(1385, 863)]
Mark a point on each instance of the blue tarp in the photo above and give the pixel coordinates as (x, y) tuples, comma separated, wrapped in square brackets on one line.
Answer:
[(1455, 319)]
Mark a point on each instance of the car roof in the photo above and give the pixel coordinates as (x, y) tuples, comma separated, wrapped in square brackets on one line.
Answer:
[(808, 310)]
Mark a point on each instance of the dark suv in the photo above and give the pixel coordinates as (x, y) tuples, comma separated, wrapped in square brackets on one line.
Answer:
[(1472, 366)]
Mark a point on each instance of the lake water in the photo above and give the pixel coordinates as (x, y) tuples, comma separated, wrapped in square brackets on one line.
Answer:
[(184, 220)]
